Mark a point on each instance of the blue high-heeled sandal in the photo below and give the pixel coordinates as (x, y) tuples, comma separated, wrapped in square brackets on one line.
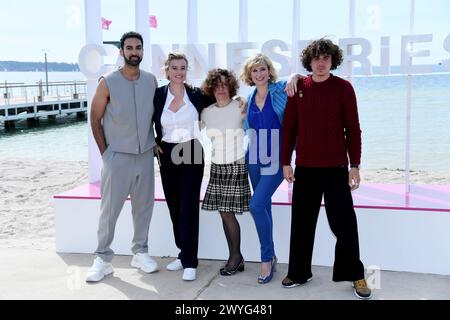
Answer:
[(273, 268)]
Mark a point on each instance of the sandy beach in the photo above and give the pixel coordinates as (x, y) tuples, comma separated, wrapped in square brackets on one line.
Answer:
[(26, 199), (27, 188)]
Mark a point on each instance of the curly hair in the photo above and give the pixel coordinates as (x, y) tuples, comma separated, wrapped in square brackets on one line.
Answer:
[(214, 78), (174, 56), (259, 59), (319, 47)]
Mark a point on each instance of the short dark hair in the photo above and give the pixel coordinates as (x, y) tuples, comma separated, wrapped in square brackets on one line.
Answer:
[(214, 78), (130, 34), (319, 47)]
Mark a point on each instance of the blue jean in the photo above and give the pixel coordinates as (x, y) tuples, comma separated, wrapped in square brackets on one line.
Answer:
[(264, 186)]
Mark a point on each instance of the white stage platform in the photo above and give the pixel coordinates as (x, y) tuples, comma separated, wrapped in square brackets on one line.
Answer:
[(396, 232)]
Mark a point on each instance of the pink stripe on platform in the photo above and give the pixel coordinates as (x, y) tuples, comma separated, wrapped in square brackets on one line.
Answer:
[(92, 192), (434, 198)]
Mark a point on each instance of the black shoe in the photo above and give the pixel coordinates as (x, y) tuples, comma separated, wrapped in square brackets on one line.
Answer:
[(229, 272), (288, 283)]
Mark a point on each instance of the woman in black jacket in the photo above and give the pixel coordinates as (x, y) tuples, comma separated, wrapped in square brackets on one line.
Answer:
[(176, 117)]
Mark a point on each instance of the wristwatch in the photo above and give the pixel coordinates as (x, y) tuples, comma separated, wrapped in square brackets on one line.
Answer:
[(356, 166)]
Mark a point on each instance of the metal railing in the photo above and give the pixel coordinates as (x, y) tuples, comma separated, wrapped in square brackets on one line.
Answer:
[(20, 93)]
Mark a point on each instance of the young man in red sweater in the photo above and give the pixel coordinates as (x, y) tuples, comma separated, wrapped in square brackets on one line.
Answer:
[(321, 122)]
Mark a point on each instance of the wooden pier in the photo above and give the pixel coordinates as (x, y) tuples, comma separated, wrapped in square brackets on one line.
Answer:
[(32, 102)]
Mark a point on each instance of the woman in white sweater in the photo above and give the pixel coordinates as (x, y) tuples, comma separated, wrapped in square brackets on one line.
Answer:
[(228, 190)]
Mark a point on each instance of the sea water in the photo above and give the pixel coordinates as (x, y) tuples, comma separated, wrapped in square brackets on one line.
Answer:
[(382, 104)]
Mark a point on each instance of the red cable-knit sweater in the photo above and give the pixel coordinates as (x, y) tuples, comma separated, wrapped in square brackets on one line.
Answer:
[(321, 122)]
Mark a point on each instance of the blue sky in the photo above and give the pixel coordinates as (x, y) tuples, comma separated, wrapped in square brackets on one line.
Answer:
[(28, 27)]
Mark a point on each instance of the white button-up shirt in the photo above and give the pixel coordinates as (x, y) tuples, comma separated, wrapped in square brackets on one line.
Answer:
[(180, 126)]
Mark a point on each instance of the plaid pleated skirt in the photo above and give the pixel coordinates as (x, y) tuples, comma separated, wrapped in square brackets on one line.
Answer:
[(228, 188)]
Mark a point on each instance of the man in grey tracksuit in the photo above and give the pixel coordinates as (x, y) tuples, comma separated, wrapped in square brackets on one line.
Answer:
[(121, 121)]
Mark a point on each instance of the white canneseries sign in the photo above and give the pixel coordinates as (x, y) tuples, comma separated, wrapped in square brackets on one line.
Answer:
[(232, 55)]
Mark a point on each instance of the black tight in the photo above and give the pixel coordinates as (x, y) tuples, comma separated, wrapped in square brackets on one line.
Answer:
[(233, 234)]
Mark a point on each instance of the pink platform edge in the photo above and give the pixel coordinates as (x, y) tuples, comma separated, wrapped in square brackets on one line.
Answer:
[(370, 196)]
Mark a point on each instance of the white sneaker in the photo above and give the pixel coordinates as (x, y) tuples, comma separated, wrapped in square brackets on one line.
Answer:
[(99, 270), (144, 262), (189, 274), (175, 265)]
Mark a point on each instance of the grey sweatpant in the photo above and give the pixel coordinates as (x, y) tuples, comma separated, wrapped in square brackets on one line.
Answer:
[(126, 174)]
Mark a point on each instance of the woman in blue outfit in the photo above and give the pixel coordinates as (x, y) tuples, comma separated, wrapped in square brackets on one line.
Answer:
[(266, 105)]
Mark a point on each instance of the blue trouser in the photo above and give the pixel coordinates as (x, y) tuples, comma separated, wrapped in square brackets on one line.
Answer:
[(264, 186)]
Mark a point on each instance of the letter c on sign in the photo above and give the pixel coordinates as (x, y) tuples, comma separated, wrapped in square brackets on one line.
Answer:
[(90, 60), (446, 63)]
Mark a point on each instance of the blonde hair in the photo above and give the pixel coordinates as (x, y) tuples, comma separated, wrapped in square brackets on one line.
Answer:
[(257, 60), (174, 56)]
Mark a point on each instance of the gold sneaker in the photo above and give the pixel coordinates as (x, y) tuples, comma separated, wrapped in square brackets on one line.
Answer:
[(361, 289)]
